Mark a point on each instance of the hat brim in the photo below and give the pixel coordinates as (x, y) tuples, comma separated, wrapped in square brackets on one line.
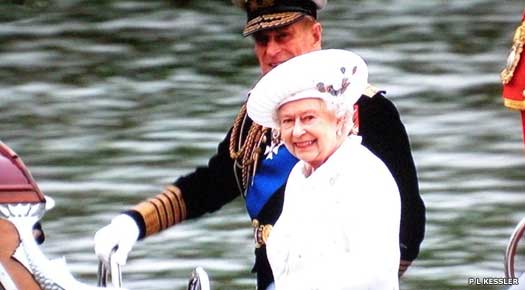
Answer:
[(271, 21)]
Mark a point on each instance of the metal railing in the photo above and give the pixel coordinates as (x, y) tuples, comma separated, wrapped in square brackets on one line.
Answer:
[(510, 253), (199, 279), (114, 272)]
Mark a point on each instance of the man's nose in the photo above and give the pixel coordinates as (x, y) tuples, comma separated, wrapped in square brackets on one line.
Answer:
[(273, 48)]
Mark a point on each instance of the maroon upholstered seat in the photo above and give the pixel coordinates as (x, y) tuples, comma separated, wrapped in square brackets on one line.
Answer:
[(16, 183)]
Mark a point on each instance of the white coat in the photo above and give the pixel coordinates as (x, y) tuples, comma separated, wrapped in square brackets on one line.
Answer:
[(339, 228)]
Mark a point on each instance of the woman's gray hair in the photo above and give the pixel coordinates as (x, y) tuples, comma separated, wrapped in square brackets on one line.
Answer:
[(340, 108)]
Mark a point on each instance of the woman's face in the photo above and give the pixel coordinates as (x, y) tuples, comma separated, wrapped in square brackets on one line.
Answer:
[(309, 130)]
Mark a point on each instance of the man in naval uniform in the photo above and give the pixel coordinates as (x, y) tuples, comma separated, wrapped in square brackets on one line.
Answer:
[(251, 162)]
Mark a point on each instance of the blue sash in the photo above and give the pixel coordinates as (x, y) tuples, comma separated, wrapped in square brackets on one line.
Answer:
[(271, 174)]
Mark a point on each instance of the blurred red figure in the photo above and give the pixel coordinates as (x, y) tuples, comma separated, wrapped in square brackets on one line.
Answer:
[(513, 76)]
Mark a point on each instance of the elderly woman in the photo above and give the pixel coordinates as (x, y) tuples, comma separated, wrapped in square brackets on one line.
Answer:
[(339, 226)]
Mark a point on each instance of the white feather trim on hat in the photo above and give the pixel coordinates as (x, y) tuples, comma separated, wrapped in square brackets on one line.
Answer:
[(333, 75)]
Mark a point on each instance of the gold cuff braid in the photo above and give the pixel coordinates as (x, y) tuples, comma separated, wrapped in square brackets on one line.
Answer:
[(162, 211)]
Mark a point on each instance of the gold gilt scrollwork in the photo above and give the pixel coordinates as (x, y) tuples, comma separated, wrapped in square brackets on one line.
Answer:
[(515, 54)]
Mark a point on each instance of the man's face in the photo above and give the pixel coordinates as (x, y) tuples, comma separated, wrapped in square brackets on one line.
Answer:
[(273, 47)]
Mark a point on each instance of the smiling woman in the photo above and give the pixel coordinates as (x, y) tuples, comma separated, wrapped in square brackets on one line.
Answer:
[(309, 129), (340, 221)]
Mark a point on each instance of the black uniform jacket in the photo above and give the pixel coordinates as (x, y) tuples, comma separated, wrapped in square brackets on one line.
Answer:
[(209, 188)]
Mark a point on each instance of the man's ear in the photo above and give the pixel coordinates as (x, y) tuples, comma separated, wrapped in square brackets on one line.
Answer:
[(317, 33)]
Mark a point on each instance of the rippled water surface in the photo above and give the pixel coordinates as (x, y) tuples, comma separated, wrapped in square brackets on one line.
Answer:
[(108, 101)]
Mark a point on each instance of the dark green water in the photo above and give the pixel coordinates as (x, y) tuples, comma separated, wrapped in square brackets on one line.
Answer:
[(108, 101)]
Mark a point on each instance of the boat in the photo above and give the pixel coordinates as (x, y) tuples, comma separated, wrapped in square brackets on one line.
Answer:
[(23, 264)]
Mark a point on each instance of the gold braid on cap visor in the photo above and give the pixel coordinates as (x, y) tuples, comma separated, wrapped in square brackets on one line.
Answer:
[(269, 21), (162, 211)]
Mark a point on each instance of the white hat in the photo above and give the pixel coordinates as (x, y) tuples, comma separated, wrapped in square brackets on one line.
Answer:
[(331, 75)]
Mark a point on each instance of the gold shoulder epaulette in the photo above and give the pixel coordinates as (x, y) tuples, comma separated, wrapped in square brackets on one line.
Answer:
[(371, 91)]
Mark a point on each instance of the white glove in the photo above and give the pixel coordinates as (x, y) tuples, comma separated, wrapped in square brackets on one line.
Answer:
[(122, 233)]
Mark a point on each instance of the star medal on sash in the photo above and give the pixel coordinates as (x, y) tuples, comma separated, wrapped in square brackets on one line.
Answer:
[(273, 148)]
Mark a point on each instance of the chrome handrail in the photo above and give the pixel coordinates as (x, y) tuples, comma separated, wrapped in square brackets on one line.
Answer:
[(512, 246), (114, 272), (199, 280)]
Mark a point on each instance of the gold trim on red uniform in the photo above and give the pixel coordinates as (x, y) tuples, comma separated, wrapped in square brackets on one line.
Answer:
[(513, 76), (515, 54)]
